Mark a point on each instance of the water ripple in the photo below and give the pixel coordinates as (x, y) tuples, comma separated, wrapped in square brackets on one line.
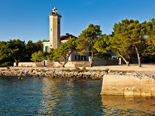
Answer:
[(47, 96)]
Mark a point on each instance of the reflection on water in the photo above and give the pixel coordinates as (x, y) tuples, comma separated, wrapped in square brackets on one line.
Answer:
[(47, 96), (62, 97), (128, 105)]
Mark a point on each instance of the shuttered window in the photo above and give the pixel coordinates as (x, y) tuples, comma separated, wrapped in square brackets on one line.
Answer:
[(46, 48), (83, 58), (77, 58)]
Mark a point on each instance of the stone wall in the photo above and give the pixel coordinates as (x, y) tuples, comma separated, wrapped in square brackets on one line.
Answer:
[(128, 85), (100, 62), (82, 63), (69, 64), (26, 64), (39, 64), (73, 64)]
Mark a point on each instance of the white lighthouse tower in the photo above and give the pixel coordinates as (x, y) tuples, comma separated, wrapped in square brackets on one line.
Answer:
[(54, 28)]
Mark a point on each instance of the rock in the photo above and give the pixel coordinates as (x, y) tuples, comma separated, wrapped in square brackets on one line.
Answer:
[(20, 77)]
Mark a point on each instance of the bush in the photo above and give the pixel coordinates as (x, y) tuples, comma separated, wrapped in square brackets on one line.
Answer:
[(106, 70), (8, 67), (66, 70), (43, 70), (77, 69), (32, 70), (6, 64)]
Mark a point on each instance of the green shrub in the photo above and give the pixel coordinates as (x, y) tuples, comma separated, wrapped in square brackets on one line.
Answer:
[(8, 67), (66, 70), (43, 70), (6, 64), (80, 70), (97, 70), (32, 70), (106, 70)]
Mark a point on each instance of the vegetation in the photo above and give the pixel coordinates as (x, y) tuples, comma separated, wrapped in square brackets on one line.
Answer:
[(129, 39), (16, 50), (64, 51), (87, 38)]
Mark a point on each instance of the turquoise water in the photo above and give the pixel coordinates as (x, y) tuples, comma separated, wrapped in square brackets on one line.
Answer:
[(47, 96)]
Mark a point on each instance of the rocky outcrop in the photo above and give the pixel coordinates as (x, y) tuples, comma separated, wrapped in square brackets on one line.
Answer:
[(53, 73)]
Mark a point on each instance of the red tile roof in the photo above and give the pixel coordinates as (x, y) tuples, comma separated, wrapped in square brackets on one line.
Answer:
[(66, 37), (47, 41)]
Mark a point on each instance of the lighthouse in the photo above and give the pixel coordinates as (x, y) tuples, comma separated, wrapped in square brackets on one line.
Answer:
[(54, 28)]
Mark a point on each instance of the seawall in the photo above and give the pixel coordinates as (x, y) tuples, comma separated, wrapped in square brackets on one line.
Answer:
[(128, 85)]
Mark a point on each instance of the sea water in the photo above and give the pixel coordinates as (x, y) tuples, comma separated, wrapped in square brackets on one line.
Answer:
[(64, 97)]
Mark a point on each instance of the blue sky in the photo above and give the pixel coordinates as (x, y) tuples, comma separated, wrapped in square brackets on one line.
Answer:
[(28, 19)]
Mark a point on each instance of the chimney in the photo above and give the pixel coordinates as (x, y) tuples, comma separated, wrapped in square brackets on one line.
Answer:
[(67, 34)]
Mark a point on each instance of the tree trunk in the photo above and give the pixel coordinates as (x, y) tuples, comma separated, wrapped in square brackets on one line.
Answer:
[(139, 61), (17, 61), (66, 60), (59, 62), (65, 63), (92, 55), (127, 63)]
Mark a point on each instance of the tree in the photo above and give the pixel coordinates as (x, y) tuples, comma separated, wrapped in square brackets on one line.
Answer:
[(3, 50), (15, 49), (128, 35), (64, 51), (39, 46), (149, 51), (38, 56), (148, 28), (87, 38), (5, 60), (102, 43), (30, 48), (119, 42), (50, 55)]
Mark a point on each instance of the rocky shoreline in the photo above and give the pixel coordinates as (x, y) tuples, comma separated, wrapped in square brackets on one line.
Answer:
[(75, 74)]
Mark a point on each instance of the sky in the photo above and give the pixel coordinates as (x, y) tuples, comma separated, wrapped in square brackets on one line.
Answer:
[(28, 19)]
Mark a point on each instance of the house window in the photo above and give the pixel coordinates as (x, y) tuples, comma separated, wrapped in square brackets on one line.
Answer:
[(46, 48), (83, 58), (77, 57)]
